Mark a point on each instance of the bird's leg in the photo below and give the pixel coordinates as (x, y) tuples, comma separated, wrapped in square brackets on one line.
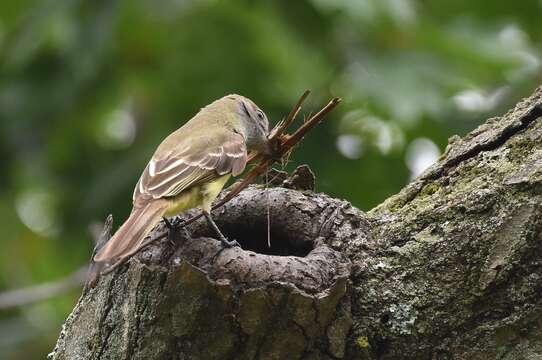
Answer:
[(171, 230), (221, 237), (173, 226)]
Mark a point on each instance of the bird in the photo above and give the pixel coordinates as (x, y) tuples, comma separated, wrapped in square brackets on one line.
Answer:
[(189, 169)]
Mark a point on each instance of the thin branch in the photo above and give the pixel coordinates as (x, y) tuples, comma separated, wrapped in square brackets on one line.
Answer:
[(41, 292), (45, 291), (283, 125), (310, 124)]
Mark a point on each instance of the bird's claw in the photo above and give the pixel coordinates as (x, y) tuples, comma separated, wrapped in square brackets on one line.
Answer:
[(226, 244), (229, 243)]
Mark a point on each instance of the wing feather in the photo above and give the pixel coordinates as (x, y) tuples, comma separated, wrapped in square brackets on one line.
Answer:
[(178, 172)]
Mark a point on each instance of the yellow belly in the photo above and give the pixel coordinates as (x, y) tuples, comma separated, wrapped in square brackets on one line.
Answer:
[(201, 196)]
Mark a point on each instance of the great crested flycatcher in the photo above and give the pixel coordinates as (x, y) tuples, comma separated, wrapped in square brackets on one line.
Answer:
[(189, 169)]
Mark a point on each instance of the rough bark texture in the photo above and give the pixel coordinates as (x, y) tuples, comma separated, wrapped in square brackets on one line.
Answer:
[(450, 268)]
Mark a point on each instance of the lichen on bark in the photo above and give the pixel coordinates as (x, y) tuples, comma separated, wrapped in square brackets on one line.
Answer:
[(449, 268)]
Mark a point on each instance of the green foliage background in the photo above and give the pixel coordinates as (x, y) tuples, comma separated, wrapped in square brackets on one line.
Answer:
[(89, 88)]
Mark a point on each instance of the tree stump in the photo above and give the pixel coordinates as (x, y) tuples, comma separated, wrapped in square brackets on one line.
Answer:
[(449, 268)]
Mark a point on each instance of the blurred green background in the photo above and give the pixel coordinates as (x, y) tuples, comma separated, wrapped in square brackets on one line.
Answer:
[(89, 88)]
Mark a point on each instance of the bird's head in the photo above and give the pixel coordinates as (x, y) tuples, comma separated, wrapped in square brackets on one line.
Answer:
[(251, 121)]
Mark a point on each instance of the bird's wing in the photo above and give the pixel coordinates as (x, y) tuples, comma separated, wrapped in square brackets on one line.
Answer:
[(204, 160)]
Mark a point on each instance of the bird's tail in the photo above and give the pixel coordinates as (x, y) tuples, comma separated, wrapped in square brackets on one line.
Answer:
[(129, 237)]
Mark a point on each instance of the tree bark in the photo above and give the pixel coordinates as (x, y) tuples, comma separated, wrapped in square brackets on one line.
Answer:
[(449, 268)]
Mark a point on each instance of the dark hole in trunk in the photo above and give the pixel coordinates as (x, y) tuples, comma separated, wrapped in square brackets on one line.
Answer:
[(253, 237)]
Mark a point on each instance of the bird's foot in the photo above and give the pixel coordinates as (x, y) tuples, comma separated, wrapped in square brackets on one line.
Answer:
[(225, 242), (228, 243), (173, 226)]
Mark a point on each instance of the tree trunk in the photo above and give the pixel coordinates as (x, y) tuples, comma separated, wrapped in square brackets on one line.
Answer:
[(449, 268)]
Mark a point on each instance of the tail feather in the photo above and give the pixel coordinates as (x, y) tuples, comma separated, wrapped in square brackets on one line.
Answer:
[(129, 237)]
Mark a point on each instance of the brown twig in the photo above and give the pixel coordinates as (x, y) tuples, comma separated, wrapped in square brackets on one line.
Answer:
[(311, 123), (282, 144), (279, 129), (283, 125)]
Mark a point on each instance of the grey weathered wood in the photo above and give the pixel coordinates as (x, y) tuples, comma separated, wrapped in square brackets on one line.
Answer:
[(449, 268)]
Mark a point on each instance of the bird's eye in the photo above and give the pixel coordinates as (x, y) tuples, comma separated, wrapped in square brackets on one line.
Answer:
[(260, 114)]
